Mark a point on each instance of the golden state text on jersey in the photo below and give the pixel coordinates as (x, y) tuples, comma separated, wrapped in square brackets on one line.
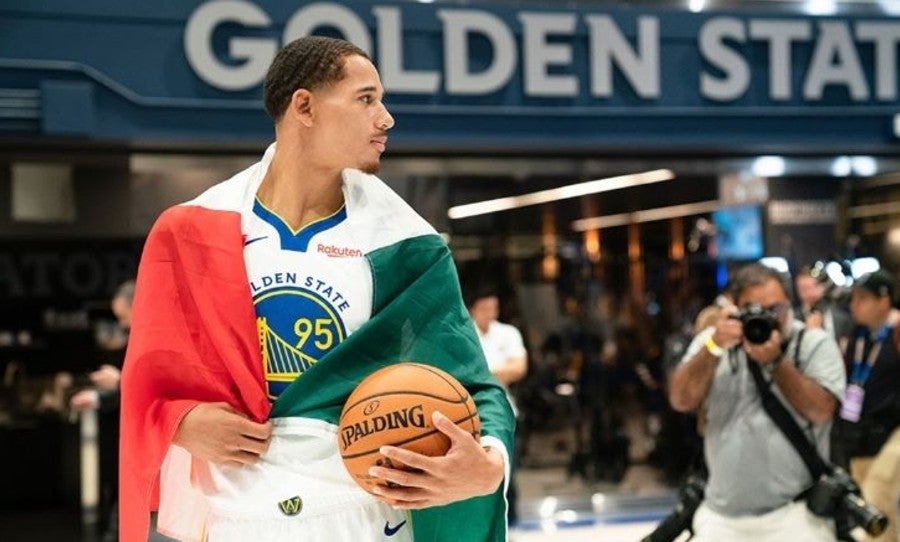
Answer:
[(307, 299)]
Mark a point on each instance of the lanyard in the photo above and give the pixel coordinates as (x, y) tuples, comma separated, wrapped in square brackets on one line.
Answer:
[(862, 370)]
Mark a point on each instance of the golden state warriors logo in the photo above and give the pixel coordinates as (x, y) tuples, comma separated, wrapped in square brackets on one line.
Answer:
[(296, 328), (292, 506)]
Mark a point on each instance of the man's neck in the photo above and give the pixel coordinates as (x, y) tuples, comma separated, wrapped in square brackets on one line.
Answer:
[(298, 191), (874, 329)]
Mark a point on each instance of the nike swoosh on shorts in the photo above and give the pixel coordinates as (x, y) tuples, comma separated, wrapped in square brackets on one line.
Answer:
[(391, 531)]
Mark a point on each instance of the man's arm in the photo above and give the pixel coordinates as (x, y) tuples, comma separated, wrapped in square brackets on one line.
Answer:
[(467, 470), (513, 371), (216, 432), (690, 382), (809, 398), (516, 357)]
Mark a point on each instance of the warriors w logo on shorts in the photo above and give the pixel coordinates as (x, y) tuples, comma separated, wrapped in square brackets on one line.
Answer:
[(250, 504), (292, 506)]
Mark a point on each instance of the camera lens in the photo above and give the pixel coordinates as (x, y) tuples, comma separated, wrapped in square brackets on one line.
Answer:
[(758, 329), (865, 515), (758, 323)]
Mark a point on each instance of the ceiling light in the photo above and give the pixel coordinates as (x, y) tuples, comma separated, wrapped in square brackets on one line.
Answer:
[(648, 215), (696, 5), (563, 192), (891, 7), (864, 166), (893, 237), (768, 166), (821, 7), (841, 166)]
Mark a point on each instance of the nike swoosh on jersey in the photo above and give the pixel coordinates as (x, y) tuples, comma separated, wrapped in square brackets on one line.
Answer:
[(391, 531), (255, 239)]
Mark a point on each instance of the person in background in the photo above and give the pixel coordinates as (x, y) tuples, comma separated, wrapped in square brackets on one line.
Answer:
[(506, 356), (817, 311), (755, 474), (867, 437), (104, 396)]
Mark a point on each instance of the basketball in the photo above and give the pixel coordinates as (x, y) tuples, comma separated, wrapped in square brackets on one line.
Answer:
[(393, 406)]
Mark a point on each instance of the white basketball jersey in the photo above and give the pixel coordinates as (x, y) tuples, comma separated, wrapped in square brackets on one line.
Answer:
[(311, 288)]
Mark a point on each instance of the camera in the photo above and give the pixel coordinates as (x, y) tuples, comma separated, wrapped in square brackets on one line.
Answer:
[(689, 498), (837, 496), (758, 323)]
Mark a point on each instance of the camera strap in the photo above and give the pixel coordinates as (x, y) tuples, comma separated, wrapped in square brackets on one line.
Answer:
[(786, 422)]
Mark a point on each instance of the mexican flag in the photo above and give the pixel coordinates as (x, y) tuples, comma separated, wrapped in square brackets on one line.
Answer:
[(194, 339)]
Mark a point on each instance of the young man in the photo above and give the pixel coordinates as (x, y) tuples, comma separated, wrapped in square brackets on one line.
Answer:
[(755, 473), (261, 304), (502, 343)]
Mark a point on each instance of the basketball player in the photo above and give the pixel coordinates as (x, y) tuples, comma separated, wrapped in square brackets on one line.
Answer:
[(263, 302)]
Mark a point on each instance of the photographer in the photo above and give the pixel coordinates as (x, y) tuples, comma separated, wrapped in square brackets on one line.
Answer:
[(816, 310), (755, 473)]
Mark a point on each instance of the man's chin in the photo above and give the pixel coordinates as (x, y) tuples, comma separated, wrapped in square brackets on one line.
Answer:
[(370, 168)]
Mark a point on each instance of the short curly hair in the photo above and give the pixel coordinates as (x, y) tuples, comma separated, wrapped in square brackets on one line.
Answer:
[(757, 274), (311, 62)]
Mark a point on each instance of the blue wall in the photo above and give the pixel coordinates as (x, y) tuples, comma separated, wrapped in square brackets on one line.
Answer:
[(120, 72)]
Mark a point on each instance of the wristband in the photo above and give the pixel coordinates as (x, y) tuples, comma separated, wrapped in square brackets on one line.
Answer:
[(713, 348)]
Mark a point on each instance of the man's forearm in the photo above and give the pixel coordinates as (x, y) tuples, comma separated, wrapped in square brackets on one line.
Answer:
[(513, 371), (691, 381), (807, 396)]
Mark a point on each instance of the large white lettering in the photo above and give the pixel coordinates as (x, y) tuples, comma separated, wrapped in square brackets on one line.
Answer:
[(390, 57), (608, 45), (458, 24), (343, 19), (780, 35), (256, 52), (736, 72), (539, 54), (886, 36), (805, 57), (836, 44)]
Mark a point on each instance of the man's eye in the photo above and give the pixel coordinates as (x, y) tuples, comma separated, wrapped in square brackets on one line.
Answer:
[(366, 99)]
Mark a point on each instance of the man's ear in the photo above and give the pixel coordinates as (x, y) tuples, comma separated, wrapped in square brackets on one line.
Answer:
[(300, 107)]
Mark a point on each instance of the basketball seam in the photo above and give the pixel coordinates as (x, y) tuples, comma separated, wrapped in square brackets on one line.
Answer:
[(464, 399), (442, 377), (402, 442), (404, 392)]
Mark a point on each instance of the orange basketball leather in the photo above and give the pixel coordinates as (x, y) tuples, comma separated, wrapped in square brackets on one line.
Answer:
[(393, 406)]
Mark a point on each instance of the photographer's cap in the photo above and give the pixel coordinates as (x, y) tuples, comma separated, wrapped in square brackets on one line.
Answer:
[(881, 283)]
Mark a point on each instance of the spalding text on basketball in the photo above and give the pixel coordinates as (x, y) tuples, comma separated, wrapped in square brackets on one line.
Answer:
[(413, 416)]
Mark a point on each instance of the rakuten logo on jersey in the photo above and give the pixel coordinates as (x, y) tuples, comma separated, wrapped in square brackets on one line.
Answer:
[(339, 252)]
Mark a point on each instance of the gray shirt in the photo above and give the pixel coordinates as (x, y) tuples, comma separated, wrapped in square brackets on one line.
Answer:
[(753, 467)]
